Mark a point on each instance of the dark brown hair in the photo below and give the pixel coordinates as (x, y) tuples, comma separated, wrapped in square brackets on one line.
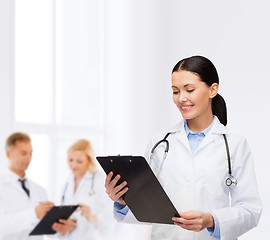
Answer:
[(207, 72)]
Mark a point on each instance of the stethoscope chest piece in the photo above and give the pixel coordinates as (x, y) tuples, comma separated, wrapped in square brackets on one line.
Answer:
[(231, 182)]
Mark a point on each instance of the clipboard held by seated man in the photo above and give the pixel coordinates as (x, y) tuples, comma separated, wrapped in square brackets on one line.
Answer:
[(52, 216)]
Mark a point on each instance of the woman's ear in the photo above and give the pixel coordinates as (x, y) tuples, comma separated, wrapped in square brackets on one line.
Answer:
[(213, 90)]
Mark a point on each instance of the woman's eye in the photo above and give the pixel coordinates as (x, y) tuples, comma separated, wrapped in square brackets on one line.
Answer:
[(175, 92), (190, 90)]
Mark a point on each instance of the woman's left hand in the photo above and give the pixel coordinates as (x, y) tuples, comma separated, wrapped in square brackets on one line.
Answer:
[(86, 211), (194, 220), (64, 225)]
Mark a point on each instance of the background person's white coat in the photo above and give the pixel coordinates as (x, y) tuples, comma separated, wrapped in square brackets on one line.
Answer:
[(17, 210), (90, 192)]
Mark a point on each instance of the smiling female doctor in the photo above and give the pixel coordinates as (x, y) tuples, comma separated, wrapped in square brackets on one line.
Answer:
[(208, 173)]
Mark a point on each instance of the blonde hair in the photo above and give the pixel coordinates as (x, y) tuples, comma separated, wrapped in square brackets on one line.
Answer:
[(86, 147)]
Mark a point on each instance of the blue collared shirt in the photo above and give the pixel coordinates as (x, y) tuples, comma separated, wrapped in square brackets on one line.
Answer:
[(194, 141)]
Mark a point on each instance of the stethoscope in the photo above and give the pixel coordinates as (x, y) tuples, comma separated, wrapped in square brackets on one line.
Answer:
[(91, 191), (230, 181)]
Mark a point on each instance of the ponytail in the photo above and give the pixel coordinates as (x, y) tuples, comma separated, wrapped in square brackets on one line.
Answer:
[(219, 109)]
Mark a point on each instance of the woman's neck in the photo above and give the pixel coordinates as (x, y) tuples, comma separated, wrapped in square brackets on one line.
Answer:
[(200, 123), (77, 181)]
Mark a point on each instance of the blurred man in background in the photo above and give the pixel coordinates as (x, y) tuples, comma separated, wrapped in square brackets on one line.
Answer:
[(22, 202)]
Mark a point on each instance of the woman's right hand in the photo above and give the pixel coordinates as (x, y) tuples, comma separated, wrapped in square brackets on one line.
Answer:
[(115, 192)]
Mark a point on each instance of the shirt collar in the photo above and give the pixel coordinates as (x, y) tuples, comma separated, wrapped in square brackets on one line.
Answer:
[(10, 176), (204, 132), (217, 128)]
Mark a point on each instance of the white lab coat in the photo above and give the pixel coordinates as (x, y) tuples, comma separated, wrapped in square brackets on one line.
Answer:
[(197, 182), (17, 210), (93, 195)]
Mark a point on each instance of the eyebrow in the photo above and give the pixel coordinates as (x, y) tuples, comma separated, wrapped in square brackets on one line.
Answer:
[(186, 85)]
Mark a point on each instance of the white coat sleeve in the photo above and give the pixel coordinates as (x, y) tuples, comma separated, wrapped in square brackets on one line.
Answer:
[(246, 207), (16, 222)]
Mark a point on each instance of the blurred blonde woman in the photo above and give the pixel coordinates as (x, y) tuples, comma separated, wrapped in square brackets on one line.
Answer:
[(85, 187)]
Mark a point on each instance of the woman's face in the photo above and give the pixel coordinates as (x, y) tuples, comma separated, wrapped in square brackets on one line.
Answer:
[(78, 163), (191, 95)]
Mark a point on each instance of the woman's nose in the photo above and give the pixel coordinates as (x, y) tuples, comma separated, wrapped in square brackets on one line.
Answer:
[(182, 98), (72, 164)]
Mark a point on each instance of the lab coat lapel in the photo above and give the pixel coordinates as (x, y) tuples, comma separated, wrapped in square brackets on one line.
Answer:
[(9, 178), (217, 128), (181, 135), (207, 140), (85, 177)]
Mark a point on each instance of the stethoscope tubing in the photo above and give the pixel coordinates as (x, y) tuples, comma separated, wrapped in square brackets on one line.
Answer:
[(90, 193), (230, 181)]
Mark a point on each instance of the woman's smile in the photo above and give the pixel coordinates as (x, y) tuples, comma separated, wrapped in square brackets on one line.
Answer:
[(186, 108)]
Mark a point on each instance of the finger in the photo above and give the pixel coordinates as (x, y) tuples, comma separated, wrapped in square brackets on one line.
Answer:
[(56, 226), (187, 221), (179, 220), (73, 224), (114, 181), (108, 179), (47, 203), (63, 221), (190, 215), (119, 187), (46, 209), (115, 197), (192, 224), (73, 220), (81, 205), (189, 227)]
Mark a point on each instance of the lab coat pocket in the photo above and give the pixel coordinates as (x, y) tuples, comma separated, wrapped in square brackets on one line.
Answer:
[(214, 192)]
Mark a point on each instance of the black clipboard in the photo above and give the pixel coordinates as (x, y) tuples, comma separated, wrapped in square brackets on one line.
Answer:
[(52, 216), (146, 198)]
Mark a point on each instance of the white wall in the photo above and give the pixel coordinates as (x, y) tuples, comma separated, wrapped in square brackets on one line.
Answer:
[(6, 71), (144, 40)]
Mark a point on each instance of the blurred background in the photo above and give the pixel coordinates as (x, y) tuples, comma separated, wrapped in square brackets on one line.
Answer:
[(101, 70)]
